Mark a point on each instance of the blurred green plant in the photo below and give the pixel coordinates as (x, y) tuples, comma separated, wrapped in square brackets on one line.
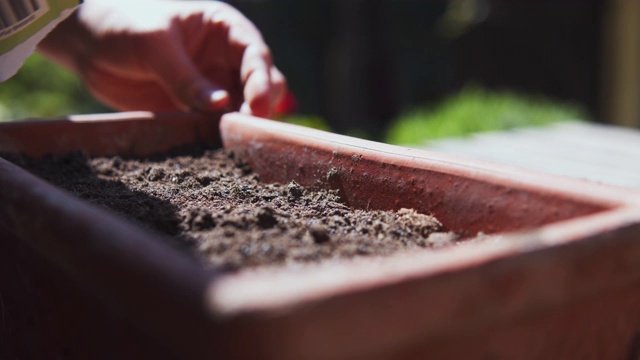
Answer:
[(312, 121), (475, 109), (44, 89)]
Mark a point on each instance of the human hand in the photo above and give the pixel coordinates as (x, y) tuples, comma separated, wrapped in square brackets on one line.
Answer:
[(163, 55)]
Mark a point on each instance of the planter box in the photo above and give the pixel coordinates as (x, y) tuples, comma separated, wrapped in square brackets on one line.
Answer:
[(559, 278)]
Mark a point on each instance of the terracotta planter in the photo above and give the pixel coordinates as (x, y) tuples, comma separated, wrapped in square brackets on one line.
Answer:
[(561, 278)]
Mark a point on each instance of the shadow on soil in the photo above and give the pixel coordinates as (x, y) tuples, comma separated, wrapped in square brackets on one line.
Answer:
[(73, 174)]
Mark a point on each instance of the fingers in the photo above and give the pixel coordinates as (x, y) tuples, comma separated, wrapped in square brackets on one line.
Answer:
[(255, 76), (279, 87), (257, 93), (263, 84), (125, 94), (263, 92), (189, 88)]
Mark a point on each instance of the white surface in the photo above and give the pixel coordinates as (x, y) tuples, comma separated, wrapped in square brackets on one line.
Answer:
[(596, 152)]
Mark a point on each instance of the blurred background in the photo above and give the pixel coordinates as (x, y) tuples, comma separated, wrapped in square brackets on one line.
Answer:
[(404, 71)]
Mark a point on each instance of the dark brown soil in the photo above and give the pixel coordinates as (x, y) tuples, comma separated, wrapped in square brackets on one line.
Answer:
[(216, 207)]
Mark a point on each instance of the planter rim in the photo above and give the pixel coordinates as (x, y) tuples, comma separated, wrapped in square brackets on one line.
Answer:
[(262, 290), (606, 195), (125, 133)]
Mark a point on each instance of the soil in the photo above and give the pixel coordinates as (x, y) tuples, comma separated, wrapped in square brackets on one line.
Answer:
[(212, 205)]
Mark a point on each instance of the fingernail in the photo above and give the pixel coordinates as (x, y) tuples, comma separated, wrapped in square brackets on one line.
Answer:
[(218, 95), (219, 98)]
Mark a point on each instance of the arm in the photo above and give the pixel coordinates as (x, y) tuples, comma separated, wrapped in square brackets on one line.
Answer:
[(164, 55)]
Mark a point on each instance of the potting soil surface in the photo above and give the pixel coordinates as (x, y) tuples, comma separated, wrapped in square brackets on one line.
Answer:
[(212, 205)]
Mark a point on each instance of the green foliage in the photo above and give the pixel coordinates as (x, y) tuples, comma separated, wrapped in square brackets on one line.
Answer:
[(312, 121), (475, 109), (43, 89)]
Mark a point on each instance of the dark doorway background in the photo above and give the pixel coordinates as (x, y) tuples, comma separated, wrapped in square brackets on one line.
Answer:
[(359, 63)]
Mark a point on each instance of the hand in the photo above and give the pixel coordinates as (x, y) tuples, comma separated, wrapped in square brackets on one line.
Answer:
[(162, 55)]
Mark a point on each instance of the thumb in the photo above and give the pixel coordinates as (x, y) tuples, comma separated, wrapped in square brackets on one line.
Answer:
[(182, 80)]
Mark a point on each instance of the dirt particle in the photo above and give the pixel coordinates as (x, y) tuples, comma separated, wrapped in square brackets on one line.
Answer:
[(319, 234), (333, 174), (295, 191), (199, 219), (245, 250), (155, 174), (266, 249), (207, 178), (266, 218)]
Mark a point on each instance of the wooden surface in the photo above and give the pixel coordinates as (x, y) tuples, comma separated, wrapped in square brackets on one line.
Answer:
[(596, 152)]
